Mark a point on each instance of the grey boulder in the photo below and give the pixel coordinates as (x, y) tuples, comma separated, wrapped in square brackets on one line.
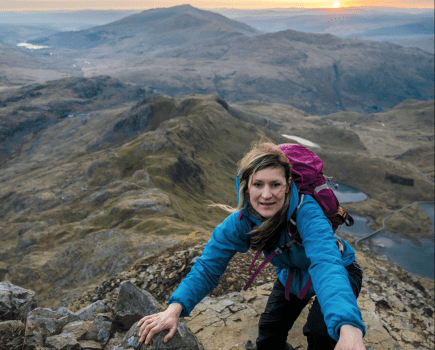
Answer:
[(100, 329), (15, 302), (89, 312), (132, 304), (183, 339)]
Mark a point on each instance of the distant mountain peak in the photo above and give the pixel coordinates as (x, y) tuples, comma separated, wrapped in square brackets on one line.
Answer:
[(154, 29)]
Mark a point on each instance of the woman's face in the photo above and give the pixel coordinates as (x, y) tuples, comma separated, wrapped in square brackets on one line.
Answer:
[(267, 191)]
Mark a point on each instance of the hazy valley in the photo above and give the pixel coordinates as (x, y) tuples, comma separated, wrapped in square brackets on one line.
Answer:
[(185, 50)]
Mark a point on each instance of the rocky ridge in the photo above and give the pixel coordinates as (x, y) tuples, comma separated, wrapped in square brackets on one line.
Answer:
[(397, 308), (71, 221)]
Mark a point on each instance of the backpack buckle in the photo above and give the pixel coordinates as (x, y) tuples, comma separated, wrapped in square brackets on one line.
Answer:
[(278, 251)]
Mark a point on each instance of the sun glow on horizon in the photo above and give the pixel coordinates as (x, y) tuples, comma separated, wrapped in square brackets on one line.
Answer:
[(66, 5)]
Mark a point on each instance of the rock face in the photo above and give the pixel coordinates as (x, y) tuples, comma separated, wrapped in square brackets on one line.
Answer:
[(133, 304), (15, 305), (397, 310), (182, 340), (90, 328), (15, 302)]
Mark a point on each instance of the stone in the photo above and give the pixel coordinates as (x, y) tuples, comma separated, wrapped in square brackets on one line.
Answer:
[(183, 339), (15, 302), (89, 312), (63, 312), (42, 312), (236, 296), (132, 304), (77, 329), (38, 328), (89, 345), (100, 329), (64, 341), (114, 341), (9, 331), (221, 305)]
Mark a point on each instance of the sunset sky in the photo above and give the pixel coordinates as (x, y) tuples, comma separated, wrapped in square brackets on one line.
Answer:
[(47, 5)]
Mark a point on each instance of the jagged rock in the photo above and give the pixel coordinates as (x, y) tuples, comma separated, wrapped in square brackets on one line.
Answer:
[(132, 304), (89, 312), (397, 314), (89, 345), (11, 334), (182, 340), (43, 312), (64, 341), (66, 316), (38, 328), (63, 311), (15, 302), (77, 329), (114, 341), (100, 329)]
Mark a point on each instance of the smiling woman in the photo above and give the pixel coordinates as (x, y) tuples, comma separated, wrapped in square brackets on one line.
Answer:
[(267, 191), (268, 202)]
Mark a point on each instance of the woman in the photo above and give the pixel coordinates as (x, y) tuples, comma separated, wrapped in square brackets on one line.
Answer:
[(267, 199)]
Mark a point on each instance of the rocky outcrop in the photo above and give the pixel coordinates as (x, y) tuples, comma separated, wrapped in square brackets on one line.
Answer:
[(94, 327), (397, 309), (15, 305), (15, 302)]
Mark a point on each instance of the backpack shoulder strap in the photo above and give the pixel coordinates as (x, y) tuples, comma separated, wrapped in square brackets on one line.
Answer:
[(293, 230)]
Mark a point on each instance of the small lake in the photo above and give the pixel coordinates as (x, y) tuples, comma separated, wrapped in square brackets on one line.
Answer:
[(429, 210), (415, 259), (347, 194)]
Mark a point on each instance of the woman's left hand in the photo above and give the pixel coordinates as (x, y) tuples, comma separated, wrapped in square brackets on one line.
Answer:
[(351, 338)]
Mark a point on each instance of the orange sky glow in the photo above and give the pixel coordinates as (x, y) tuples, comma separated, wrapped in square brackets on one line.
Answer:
[(50, 5)]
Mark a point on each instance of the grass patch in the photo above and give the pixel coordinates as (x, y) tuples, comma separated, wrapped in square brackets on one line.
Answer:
[(129, 223), (163, 227), (115, 215)]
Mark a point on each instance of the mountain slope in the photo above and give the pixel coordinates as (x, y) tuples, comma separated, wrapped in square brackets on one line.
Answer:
[(82, 197), (150, 31), (318, 73), (18, 67), (181, 50)]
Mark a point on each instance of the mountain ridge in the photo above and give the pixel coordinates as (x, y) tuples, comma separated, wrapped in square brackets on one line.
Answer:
[(318, 73), (179, 21), (136, 176), (198, 51)]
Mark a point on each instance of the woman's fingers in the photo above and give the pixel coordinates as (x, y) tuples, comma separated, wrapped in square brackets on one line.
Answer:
[(153, 324), (153, 330), (145, 318), (145, 328), (170, 334)]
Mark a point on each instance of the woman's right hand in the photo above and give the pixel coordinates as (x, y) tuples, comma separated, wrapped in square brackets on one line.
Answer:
[(153, 324)]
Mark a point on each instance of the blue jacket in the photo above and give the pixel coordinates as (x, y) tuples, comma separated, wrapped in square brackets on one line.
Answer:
[(319, 257)]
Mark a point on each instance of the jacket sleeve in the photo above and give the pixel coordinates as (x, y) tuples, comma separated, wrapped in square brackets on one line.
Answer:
[(329, 276), (227, 239)]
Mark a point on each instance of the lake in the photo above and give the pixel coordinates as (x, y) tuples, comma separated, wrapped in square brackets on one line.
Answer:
[(415, 259)]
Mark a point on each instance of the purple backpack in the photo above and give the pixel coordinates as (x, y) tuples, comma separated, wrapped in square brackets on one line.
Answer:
[(307, 174)]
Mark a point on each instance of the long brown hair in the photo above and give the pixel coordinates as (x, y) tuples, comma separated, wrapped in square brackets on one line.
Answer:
[(262, 155)]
